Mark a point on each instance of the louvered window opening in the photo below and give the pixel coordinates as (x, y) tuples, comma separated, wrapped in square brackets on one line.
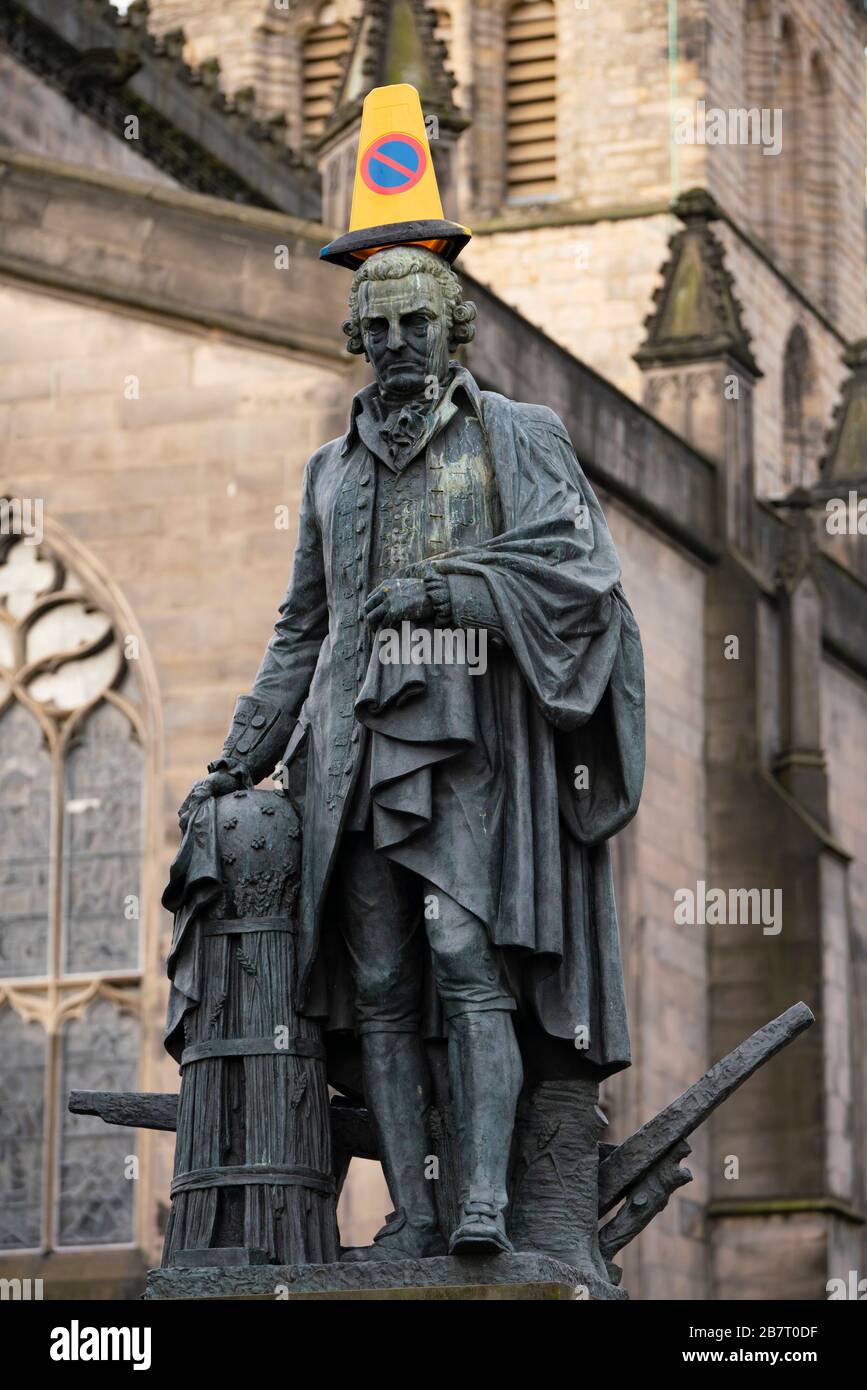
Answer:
[(324, 47), (531, 101)]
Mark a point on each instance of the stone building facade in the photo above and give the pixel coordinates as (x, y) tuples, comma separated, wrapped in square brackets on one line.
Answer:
[(172, 354), (616, 139)]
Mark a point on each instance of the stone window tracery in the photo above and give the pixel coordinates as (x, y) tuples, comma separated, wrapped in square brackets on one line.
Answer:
[(72, 786)]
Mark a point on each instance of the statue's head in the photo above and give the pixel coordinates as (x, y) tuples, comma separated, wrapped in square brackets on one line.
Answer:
[(406, 314)]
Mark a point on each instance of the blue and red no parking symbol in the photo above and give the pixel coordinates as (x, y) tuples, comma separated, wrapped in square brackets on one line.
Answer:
[(393, 163)]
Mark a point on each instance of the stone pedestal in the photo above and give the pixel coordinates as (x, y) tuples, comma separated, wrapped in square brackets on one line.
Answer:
[(504, 1277)]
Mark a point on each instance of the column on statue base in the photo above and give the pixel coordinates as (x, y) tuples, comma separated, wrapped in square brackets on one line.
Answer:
[(253, 1179)]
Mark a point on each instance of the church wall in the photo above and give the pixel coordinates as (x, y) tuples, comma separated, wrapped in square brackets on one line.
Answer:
[(666, 968), (258, 43), (613, 126), (614, 101), (234, 34), (844, 714), (589, 286), (174, 491), (36, 119), (751, 1255)]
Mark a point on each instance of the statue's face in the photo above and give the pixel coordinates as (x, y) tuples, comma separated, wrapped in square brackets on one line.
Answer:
[(404, 328)]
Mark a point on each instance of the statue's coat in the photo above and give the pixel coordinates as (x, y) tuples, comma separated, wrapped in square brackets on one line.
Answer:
[(566, 692)]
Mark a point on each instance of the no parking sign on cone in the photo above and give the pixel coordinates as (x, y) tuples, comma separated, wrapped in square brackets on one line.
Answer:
[(396, 200)]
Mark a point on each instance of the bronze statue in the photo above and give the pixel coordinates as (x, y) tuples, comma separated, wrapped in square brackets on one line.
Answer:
[(455, 872), (423, 916)]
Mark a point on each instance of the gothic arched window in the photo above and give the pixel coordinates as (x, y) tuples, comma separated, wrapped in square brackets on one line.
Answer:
[(802, 427), (531, 101), (325, 43), (789, 238), (821, 184), (72, 819), (759, 96)]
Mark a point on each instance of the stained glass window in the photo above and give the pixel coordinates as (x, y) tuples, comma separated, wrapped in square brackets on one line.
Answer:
[(96, 1181), (71, 837), (25, 843), (22, 1082), (102, 844)]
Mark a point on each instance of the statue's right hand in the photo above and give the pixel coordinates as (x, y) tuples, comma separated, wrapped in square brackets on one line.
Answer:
[(215, 784)]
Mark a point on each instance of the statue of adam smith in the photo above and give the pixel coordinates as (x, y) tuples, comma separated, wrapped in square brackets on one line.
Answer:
[(456, 878)]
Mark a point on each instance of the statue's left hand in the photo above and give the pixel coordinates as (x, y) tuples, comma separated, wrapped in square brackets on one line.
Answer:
[(215, 784), (399, 600)]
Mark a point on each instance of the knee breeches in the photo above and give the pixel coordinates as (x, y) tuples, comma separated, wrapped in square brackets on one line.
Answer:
[(386, 909)]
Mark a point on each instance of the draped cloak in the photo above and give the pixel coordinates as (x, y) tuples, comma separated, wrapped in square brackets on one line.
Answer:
[(552, 734)]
